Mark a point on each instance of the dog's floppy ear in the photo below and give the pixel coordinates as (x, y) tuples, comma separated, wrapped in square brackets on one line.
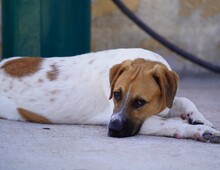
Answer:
[(115, 73), (168, 83)]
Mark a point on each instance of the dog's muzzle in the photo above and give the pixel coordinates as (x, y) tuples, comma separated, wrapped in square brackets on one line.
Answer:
[(120, 126)]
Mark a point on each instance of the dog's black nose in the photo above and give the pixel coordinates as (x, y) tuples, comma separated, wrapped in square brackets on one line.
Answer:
[(120, 128), (115, 128), (115, 125)]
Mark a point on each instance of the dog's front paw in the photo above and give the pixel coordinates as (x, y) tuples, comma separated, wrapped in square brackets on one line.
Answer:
[(202, 133), (211, 137), (196, 118)]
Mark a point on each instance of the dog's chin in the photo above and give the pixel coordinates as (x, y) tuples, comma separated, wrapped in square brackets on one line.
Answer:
[(119, 134), (123, 133)]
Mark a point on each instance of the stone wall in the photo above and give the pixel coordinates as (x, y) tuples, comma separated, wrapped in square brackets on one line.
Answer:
[(190, 24)]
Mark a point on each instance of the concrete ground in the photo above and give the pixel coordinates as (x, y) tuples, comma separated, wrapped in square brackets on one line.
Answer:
[(30, 146)]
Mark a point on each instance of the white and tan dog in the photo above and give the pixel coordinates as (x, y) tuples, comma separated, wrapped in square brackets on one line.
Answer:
[(75, 90)]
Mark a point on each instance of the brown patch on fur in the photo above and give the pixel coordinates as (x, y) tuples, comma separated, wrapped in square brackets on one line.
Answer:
[(53, 74), (22, 66), (32, 117)]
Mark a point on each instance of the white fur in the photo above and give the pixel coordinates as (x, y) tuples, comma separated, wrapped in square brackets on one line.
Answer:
[(80, 93)]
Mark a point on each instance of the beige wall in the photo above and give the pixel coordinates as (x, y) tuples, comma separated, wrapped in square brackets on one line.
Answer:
[(191, 24)]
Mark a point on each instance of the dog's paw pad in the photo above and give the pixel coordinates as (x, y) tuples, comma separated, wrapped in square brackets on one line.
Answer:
[(215, 139), (193, 119), (197, 122), (212, 138), (206, 136), (190, 121)]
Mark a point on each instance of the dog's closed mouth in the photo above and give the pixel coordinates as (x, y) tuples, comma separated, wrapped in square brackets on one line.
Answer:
[(125, 131), (119, 134), (114, 133)]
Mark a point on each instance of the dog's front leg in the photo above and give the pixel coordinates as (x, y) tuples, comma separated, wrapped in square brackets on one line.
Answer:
[(186, 109), (177, 128)]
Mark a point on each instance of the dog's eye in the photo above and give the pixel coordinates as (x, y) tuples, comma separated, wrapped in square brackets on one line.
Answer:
[(117, 96), (139, 103)]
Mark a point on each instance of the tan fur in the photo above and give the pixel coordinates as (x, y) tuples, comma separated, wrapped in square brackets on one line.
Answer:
[(32, 117), (115, 73), (147, 80), (53, 74), (22, 66), (168, 83)]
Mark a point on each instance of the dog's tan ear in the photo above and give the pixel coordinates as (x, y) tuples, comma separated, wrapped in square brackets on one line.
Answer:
[(168, 83), (115, 73)]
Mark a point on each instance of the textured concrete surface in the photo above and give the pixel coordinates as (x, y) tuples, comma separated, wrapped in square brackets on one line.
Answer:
[(29, 146)]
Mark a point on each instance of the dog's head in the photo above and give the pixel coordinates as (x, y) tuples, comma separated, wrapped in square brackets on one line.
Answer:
[(140, 89)]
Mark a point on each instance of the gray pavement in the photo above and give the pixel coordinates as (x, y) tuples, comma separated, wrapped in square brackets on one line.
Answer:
[(30, 146)]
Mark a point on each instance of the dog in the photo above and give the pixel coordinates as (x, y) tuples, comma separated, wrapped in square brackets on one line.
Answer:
[(76, 90)]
